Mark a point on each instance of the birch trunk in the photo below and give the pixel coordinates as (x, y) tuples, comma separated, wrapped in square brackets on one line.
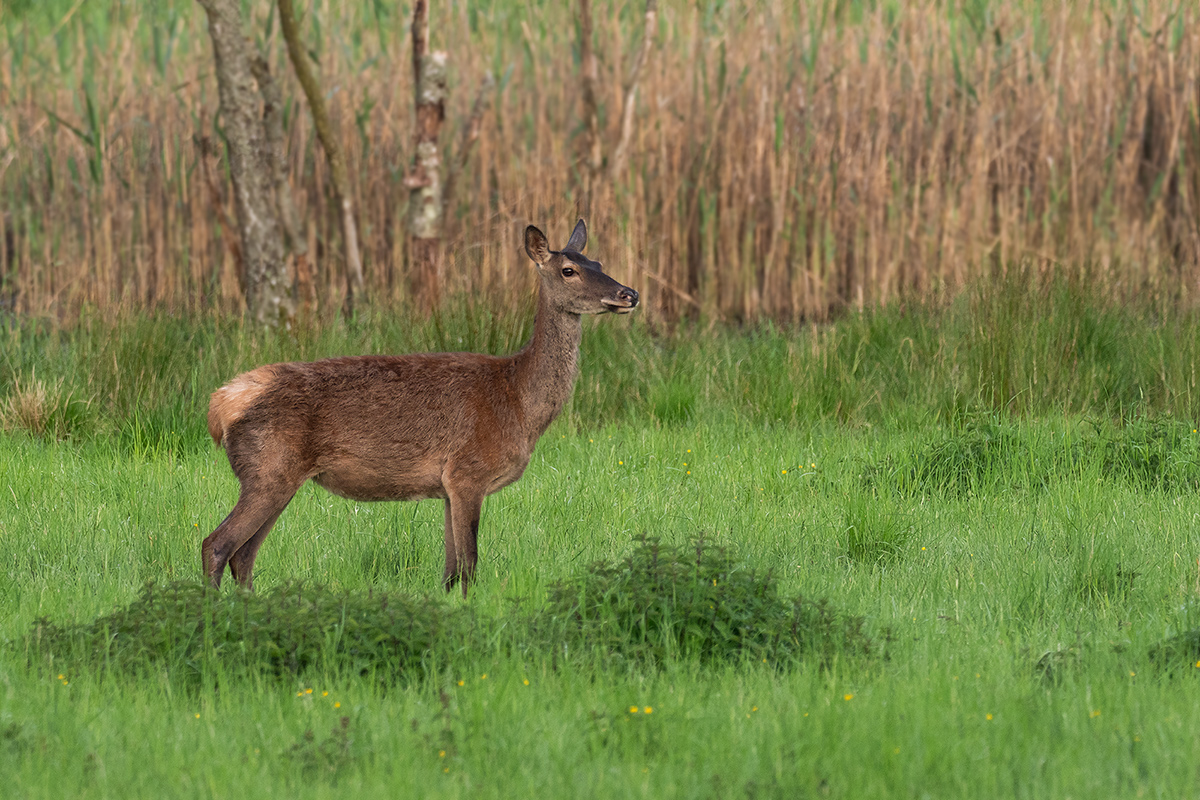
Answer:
[(424, 182), (355, 285)]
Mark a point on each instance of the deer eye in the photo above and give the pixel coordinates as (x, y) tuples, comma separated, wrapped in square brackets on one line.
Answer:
[(567, 272)]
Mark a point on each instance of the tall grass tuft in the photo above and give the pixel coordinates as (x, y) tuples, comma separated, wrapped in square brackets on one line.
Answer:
[(48, 410), (876, 531), (1159, 454)]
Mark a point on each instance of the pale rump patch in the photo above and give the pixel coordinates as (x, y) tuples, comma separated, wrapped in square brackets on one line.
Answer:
[(230, 401)]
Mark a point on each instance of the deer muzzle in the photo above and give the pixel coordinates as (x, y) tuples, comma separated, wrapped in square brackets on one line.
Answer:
[(623, 302)]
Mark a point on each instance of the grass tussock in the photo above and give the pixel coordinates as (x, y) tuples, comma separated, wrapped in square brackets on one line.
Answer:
[(1179, 653), (993, 456), (1162, 454), (876, 531), (664, 602), (49, 410), (789, 159), (955, 464)]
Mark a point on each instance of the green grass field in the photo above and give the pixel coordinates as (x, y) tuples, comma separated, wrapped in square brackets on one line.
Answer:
[(944, 548), (1014, 574)]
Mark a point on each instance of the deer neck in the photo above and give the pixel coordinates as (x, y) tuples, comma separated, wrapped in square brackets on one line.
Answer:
[(547, 366)]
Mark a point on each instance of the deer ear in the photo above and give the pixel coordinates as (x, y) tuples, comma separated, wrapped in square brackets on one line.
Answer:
[(536, 246), (578, 239)]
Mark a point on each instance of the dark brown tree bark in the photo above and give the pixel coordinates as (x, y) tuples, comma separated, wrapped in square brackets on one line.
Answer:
[(268, 287), (355, 286), (426, 206)]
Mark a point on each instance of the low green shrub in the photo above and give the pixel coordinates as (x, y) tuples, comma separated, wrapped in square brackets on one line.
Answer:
[(665, 602), (194, 630), (326, 757), (657, 604)]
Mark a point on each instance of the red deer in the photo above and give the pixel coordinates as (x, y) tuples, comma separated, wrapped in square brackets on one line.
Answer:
[(455, 426)]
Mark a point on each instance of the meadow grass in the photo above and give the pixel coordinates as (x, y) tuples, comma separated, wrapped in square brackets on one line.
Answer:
[(1019, 618), (1024, 345), (991, 501)]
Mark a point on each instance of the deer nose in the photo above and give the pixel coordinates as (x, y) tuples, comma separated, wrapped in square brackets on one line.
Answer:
[(628, 295)]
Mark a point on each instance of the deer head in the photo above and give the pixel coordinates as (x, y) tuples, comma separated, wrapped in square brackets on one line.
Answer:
[(573, 283)]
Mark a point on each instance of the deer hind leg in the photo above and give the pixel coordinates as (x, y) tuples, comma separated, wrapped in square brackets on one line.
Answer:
[(462, 527), (244, 529), (450, 573), (241, 563)]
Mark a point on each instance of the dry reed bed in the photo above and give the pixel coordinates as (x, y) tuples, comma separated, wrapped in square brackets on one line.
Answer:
[(789, 159)]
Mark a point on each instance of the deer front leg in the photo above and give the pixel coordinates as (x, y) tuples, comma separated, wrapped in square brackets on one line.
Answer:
[(463, 509)]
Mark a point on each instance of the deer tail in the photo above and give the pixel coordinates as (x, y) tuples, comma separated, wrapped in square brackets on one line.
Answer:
[(230, 402), (216, 421)]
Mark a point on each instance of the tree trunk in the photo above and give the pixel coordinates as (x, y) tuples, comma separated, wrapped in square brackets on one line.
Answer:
[(355, 285), (268, 287), (425, 185), (276, 156)]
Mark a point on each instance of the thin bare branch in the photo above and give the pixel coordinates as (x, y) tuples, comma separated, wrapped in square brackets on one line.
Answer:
[(589, 76), (355, 286), (620, 152), (470, 133)]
